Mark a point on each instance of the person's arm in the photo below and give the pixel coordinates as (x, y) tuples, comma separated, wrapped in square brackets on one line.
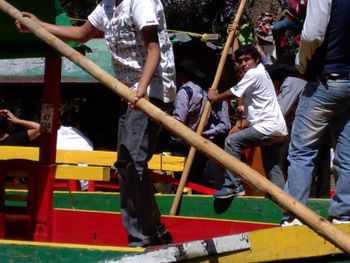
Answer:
[(33, 128), (78, 34), (213, 95), (235, 42), (150, 37), (240, 125), (314, 31), (222, 123), (181, 106)]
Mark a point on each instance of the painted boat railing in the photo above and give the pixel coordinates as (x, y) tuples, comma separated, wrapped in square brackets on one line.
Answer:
[(95, 166)]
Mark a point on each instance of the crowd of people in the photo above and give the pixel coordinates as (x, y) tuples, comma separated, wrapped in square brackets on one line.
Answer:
[(288, 109)]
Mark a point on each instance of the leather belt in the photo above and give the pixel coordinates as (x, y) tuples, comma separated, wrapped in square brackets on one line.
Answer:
[(334, 76)]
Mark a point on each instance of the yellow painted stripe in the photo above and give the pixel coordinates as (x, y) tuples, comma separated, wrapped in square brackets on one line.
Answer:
[(97, 158), (282, 243), (70, 245), (83, 172), (171, 163)]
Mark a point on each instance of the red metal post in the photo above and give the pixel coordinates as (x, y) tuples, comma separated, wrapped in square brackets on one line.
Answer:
[(47, 157)]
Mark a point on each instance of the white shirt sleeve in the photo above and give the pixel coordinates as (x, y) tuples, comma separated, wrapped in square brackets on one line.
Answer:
[(248, 80), (144, 13), (314, 31), (96, 17)]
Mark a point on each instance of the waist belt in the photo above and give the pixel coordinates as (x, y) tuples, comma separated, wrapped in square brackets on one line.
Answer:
[(334, 76)]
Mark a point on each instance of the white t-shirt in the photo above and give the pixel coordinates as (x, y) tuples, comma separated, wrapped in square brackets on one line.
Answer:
[(69, 138), (122, 27), (260, 103)]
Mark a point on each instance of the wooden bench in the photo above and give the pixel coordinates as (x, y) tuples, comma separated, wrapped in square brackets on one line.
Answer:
[(98, 171), (98, 166)]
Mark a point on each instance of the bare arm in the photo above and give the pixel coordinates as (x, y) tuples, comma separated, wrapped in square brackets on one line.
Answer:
[(235, 42), (150, 37), (33, 128), (66, 33), (213, 95)]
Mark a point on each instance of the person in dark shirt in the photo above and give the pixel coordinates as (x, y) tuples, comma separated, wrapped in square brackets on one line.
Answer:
[(8, 121)]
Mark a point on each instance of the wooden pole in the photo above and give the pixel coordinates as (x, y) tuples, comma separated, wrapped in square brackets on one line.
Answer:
[(320, 225), (206, 111)]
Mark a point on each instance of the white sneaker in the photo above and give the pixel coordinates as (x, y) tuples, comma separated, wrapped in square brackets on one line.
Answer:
[(241, 193), (339, 222), (294, 222)]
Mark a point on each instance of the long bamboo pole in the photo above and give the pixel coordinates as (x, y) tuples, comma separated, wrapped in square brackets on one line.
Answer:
[(285, 201), (206, 111)]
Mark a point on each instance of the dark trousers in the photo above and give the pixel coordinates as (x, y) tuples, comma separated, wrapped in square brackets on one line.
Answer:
[(137, 136)]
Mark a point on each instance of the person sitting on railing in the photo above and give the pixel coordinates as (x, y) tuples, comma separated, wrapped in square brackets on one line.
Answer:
[(267, 127), (8, 134)]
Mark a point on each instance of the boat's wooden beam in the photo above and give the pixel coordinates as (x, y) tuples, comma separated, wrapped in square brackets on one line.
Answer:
[(91, 158), (190, 250), (93, 173)]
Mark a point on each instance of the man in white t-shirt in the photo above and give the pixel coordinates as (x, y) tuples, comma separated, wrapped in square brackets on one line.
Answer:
[(142, 57), (266, 125), (69, 137)]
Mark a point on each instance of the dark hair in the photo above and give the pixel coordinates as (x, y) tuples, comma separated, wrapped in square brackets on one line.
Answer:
[(279, 71), (247, 50), (3, 123), (72, 112), (193, 71), (69, 116)]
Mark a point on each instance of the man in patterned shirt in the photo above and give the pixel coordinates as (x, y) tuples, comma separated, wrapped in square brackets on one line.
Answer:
[(142, 57)]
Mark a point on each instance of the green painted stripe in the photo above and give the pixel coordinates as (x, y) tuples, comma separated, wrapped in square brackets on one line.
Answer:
[(32, 253), (257, 209), (243, 208)]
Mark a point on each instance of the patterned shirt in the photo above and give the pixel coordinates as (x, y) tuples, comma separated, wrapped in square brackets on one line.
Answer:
[(122, 26)]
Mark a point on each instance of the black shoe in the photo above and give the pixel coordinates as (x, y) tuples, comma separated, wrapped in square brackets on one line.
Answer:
[(157, 240), (162, 239)]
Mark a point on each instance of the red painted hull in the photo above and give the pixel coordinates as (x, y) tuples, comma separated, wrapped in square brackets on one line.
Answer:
[(96, 228)]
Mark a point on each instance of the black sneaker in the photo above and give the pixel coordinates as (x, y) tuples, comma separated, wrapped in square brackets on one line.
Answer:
[(157, 240), (162, 239)]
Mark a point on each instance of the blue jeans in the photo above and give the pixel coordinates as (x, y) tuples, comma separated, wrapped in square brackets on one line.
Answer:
[(235, 143), (137, 137), (321, 106), (280, 27)]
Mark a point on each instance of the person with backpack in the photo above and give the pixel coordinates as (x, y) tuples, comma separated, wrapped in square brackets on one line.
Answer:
[(188, 107)]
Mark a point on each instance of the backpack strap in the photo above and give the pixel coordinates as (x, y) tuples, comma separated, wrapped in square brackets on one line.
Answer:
[(188, 91)]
